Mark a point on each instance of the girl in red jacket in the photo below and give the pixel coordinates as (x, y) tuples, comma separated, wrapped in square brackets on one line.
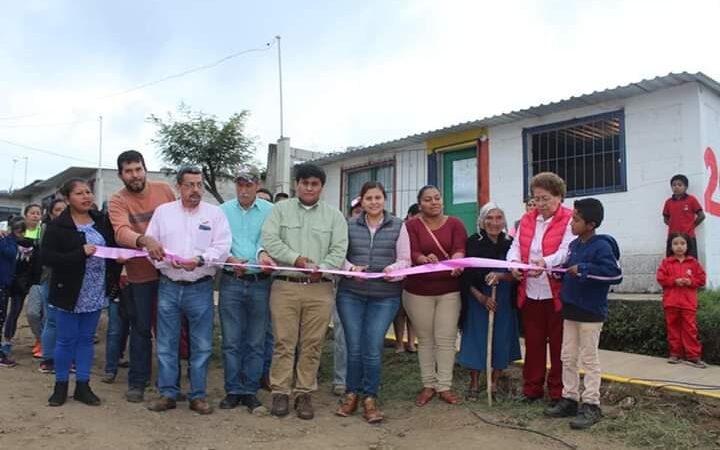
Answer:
[(681, 275)]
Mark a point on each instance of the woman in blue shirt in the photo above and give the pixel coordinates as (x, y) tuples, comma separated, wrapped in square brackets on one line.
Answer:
[(79, 286)]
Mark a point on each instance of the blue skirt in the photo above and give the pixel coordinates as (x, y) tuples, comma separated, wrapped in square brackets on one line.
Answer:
[(506, 344)]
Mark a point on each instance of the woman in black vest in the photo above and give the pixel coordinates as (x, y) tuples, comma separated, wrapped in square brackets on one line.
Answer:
[(79, 286), (378, 242)]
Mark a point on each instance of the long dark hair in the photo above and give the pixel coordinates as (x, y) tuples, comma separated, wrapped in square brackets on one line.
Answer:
[(372, 185)]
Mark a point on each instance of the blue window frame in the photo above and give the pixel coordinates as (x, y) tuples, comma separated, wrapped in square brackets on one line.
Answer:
[(588, 153)]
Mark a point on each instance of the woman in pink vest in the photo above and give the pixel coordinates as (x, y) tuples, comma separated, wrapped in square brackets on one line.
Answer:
[(542, 239)]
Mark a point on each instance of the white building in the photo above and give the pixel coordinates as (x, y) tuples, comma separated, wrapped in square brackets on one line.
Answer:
[(621, 145)]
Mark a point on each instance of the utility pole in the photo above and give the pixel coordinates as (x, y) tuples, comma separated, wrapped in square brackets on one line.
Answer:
[(282, 130), (12, 174), (98, 178), (26, 164)]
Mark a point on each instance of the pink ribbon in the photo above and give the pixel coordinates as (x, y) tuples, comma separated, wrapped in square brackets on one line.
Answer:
[(442, 266)]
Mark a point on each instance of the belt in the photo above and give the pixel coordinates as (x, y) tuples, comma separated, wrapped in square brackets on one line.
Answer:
[(247, 276), (301, 280), (190, 283)]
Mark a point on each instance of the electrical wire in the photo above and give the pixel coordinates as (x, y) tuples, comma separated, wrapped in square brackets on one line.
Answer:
[(42, 150), (207, 66)]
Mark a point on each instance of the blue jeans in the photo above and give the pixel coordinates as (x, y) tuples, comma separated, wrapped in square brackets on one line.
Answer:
[(49, 333), (269, 342), (142, 297), (75, 342), (339, 350), (366, 320), (117, 334), (195, 302), (243, 318)]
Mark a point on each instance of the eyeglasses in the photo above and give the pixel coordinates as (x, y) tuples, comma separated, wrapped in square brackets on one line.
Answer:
[(190, 185)]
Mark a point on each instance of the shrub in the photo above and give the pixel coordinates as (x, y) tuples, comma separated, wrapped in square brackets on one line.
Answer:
[(639, 327)]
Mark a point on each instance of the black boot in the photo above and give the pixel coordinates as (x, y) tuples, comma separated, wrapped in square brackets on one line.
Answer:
[(84, 394), (59, 394)]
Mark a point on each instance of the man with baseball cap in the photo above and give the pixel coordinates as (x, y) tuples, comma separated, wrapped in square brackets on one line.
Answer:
[(244, 294)]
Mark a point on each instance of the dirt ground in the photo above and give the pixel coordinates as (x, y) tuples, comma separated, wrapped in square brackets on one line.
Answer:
[(26, 422)]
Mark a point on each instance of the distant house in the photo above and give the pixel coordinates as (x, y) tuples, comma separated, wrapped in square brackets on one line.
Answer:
[(620, 145)]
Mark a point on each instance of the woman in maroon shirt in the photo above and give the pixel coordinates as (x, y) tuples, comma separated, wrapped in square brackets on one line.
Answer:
[(432, 301)]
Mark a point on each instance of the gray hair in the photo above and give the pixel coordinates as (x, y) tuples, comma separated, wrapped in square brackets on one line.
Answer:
[(484, 211), (192, 170)]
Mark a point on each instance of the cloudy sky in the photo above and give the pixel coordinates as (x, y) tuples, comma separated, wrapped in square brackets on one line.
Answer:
[(355, 73)]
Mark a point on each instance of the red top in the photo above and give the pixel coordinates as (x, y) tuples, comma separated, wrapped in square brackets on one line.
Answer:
[(681, 212), (683, 297), (452, 236)]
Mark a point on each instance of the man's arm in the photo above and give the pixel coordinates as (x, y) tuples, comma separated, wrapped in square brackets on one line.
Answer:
[(219, 248), (338, 244), (274, 246), (125, 236)]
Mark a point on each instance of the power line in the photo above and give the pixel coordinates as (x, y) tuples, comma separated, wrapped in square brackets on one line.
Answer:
[(222, 60), (42, 150)]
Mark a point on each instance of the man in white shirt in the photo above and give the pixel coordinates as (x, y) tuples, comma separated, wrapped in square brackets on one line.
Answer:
[(194, 235)]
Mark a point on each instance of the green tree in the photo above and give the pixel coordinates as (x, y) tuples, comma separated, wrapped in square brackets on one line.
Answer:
[(219, 148)]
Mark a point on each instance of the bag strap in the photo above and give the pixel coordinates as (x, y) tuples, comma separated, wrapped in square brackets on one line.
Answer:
[(432, 235)]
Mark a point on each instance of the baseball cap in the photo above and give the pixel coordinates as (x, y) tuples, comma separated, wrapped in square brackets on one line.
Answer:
[(246, 176), (355, 202)]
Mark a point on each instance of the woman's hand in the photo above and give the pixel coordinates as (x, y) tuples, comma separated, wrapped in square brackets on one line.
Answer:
[(537, 262), (358, 269), (387, 272), (456, 272), (491, 304), (89, 249), (493, 278)]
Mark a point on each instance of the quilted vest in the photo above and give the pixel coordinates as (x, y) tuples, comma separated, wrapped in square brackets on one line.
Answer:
[(550, 243)]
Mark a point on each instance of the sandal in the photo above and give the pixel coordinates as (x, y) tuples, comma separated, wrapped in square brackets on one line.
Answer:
[(424, 397), (450, 397)]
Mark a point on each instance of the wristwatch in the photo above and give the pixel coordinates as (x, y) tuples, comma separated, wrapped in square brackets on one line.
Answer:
[(201, 261)]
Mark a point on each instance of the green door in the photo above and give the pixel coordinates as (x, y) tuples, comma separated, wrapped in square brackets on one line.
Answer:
[(460, 186)]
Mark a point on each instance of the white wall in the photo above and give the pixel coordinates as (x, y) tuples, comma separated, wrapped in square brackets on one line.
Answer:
[(661, 139), (709, 235)]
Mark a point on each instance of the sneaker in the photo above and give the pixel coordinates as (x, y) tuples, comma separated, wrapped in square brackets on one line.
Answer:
[(135, 395), (587, 416), (696, 363), (47, 367), (253, 405), (108, 378), (303, 406), (563, 408), (280, 405), (123, 364), (230, 401), (37, 352), (6, 362), (338, 390), (674, 360)]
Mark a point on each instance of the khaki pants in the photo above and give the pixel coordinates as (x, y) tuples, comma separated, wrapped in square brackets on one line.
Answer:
[(580, 350), (300, 318), (435, 320)]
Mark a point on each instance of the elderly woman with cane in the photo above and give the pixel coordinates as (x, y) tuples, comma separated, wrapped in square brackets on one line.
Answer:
[(480, 305)]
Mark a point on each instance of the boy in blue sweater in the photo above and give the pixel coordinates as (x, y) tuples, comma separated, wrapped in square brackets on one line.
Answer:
[(592, 266), (8, 261)]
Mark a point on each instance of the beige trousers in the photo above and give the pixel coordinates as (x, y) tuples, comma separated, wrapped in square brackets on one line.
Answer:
[(300, 317), (580, 350), (435, 320)]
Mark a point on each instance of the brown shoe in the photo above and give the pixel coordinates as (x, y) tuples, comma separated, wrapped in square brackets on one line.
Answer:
[(348, 406), (280, 405), (371, 413), (303, 407), (450, 397), (200, 406), (162, 404), (424, 396)]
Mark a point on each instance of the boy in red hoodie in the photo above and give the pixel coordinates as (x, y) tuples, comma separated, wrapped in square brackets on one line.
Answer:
[(680, 275)]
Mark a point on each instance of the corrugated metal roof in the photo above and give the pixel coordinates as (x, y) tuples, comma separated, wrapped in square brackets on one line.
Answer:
[(594, 98)]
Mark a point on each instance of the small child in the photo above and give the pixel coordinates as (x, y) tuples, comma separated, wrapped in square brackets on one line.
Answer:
[(682, 213), (680, 276), (592, 266), (8, 262)]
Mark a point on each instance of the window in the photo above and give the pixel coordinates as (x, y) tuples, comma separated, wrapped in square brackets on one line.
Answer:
[(588, 153), (355, 178)]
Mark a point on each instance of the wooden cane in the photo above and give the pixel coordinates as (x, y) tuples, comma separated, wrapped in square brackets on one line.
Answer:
[(488, 357)]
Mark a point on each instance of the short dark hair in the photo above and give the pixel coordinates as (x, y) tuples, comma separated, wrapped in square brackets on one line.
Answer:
[(70, 184), (372, 185), (680, 177), (17, 224), (280, 195), (31, 206), (309, 170), (184, 170), (413, 210), (422, 191), (129, 156), (591, 210), (265, 190)]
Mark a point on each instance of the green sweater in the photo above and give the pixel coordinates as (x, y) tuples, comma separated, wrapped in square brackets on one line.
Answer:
[(318, 232)]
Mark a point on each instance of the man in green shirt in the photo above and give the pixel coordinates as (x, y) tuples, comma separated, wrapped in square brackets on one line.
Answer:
[(303, 232)]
